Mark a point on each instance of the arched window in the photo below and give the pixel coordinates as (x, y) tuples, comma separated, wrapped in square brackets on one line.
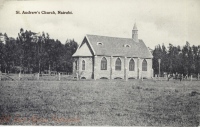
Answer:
[(144, 65), (83, 65), (118, 64), (131, 65), (103, 64)]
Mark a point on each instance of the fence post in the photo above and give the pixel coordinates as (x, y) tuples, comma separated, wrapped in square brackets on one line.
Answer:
[(38, 77), (191, 77), (167, 75), (142, 77), (0, 75), (19, 76), (76, 76), (198, 77), (58, 76)]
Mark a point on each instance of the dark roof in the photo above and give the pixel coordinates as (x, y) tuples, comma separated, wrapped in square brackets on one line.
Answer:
[(114, 46)]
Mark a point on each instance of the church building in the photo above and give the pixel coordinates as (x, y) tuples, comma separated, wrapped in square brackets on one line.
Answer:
[(103, 57)]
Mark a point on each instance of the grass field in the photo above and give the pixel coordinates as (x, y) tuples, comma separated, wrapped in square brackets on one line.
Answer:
[(101, 102)]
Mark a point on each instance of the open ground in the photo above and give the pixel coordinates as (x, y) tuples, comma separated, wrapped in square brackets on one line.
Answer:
[(101, 102)]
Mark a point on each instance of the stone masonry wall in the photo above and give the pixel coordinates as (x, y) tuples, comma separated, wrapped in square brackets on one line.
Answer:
[(87, 73), (132, 74), (111, 73), (148, 73), (102, 73)]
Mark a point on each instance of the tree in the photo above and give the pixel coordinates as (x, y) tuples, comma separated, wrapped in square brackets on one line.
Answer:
[(33, 52), (2, 56)]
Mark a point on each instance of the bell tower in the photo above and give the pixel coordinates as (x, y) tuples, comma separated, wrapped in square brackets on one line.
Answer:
[(135, 33)]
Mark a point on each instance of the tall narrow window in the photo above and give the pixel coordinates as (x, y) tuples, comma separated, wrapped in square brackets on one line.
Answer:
[(103, 64), (144, 65), (118, 64), (83, 65), (131, 65), (76, 65)]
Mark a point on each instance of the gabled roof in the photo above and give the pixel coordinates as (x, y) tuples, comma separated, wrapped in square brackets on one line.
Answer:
[(83, 51), (114, 46)]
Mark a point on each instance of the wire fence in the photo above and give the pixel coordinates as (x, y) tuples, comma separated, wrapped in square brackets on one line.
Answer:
[(57, 76), (36, 76)]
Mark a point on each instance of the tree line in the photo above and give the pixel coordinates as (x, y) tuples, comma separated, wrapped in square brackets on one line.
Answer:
[(32, 52), (176, 59)]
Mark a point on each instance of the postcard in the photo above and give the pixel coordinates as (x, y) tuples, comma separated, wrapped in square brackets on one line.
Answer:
[(99, 63)]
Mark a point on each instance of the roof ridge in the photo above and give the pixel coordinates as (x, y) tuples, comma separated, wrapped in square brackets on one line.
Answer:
[(109, 36)]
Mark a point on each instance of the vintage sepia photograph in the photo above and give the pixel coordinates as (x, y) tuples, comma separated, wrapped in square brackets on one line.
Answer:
[(100, 63)]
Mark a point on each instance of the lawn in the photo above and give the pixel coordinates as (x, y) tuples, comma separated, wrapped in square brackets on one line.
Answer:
[(101, 102)]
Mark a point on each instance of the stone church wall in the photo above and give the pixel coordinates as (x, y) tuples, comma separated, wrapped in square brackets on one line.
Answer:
[(98, 73)]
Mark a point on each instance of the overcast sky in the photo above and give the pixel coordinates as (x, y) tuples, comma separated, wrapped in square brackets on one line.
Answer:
[(158, 21)]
